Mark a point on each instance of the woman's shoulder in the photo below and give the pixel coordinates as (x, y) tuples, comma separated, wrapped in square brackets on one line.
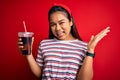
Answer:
[(82, 42), (47, 41)]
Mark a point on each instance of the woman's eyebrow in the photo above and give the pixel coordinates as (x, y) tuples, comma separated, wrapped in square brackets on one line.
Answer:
[(61, 20), (58, 21)]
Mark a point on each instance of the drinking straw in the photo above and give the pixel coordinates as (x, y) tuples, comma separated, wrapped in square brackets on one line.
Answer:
[(24, 26)]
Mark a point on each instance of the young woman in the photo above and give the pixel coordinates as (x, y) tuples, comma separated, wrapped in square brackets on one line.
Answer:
[(64, 56)]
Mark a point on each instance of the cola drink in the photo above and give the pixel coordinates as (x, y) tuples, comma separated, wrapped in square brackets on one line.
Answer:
[(26, 39)]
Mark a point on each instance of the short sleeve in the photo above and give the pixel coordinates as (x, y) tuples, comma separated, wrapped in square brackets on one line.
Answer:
[(84, 50), (39, 58)]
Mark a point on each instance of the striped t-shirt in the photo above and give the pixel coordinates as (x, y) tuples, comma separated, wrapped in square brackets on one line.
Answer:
[(61, 60)]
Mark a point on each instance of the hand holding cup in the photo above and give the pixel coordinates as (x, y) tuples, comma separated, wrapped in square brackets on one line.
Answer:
[(25, 42)]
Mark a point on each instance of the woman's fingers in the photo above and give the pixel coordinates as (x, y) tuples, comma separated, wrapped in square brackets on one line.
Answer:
[(19, 39), (32, 40), (95, 39), (103, 33), (92, 37), (20, 43), (20, 47)]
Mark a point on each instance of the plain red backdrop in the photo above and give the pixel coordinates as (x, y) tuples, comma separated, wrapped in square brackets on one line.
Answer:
[(91, 16)]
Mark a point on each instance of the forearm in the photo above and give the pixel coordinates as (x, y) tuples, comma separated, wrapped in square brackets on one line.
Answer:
[(35, 68), (86, 71)]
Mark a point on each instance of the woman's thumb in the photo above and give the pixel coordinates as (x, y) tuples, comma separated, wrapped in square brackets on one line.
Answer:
[(91, 37)]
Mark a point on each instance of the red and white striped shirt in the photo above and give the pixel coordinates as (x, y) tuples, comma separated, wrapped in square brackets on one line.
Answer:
[(61, 60)]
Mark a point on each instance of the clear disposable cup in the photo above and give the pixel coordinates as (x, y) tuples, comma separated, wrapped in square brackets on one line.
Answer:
[(26, 39)]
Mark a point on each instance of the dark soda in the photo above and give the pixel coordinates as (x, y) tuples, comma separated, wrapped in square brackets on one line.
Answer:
[(27, 43)]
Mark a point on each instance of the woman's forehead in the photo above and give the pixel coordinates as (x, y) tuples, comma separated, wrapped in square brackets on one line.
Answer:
[(57, 16)]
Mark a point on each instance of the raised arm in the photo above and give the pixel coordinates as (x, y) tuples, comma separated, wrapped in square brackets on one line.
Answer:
[(35, 68), (86, 71)]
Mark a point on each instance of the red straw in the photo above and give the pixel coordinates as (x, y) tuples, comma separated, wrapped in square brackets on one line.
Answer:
[(24, 26)]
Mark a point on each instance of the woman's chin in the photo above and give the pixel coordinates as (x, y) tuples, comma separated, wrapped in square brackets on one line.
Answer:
[(61, 38)]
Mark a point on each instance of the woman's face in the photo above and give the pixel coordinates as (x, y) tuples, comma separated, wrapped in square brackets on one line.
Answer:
[(60, 26)]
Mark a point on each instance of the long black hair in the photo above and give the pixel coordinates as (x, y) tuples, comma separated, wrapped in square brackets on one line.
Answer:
[(73, 31)]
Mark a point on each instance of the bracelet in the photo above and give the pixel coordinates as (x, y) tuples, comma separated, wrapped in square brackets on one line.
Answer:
[(90, 54)]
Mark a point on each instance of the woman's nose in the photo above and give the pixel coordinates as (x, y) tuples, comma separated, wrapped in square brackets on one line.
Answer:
[(58, 27)]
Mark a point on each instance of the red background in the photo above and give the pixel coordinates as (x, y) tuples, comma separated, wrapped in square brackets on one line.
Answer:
[(91, 17)]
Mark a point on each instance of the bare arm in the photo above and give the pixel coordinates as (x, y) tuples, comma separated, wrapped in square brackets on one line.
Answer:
[(86, 71), (35, 68)]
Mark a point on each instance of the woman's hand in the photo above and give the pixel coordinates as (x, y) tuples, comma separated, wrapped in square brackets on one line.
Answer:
[(95, 39), (22, 46)]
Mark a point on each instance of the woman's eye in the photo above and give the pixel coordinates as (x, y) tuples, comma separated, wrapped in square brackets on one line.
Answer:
[(52, 25), (61, 23)]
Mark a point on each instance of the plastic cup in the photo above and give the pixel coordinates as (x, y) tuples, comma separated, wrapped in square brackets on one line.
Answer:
[(26, 38)]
